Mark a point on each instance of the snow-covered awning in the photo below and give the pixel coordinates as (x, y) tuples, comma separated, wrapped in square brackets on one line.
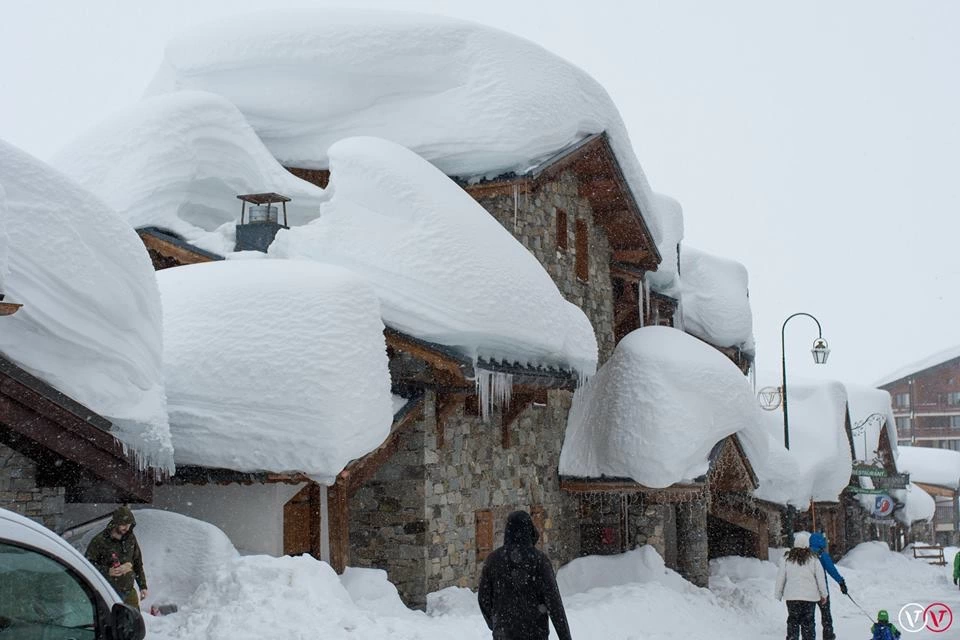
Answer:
[(716, 300), (871, 414), (178, 162), (926, 465), (273, 365), (454, 92), (444, 269), (91, 321)]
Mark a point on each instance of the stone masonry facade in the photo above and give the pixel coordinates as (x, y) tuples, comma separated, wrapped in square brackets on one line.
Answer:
[(19, 491), (532, 219), (417, 518)]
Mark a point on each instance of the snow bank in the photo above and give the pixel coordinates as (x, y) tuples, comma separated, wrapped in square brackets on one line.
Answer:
[(179, 553), (872, 410), (716, 300), (639, 566), (940, 467), (444, 269), (666, 279), (273, 365), (178, 162), (369, 589), (91, 321), (818, 437), (450, 90), (655, 410)]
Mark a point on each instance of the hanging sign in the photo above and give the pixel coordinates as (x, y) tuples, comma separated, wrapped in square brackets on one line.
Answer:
[(883, 505), (869, 471), (770, 398)]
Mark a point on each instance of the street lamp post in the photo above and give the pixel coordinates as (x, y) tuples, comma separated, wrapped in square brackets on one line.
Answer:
[(820, 353)]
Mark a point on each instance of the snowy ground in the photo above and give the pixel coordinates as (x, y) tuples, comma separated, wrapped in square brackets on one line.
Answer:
[(629, 597)]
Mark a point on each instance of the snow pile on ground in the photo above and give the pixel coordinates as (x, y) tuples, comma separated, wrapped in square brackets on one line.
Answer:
[(871, 412), (444, 269), (655, 410), (273, 365), (91, 321), (178, 162), (642, 565), (818, 437), (666, 279), (369, 589), (940, 467), (179, 553), (716, 300), (450, 90)]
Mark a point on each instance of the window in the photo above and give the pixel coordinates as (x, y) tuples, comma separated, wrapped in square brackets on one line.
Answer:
[(953, 398), (41, 598), (955, 422), (582, 249), (904, 425), (902, 400), (484, 520), (561, 230)]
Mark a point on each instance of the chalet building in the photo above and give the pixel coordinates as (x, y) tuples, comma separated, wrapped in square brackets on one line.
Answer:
[(926, 401)]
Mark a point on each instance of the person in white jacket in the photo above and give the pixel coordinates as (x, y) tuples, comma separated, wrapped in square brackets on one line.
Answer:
[(802, 583)]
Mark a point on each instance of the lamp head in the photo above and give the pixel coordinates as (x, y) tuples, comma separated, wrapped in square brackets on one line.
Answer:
[(820, 351)]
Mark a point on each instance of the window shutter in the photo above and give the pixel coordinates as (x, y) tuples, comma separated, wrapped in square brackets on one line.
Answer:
[(561, 230), (583, 257), (484, 520)]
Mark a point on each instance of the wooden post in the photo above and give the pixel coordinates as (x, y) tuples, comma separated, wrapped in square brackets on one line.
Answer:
[(339, 525), (813, 515)]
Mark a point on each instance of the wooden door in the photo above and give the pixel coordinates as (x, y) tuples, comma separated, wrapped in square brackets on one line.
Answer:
[(301, 522)]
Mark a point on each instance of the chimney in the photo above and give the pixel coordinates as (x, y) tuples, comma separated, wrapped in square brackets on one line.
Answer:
[(259, 226)]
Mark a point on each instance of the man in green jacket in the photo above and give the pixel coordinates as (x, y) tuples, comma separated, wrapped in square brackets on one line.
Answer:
[(116, 554), (956, 568)]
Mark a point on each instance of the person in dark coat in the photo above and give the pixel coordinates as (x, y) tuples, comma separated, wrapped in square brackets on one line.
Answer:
[(518, 588), (116, 554), (818, 545)]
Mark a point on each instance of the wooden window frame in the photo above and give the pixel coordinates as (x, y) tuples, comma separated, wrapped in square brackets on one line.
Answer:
[(582, 248), (562, 237)]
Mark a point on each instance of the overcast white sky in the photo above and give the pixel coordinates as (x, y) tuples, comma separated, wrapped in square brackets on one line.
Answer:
[(815, 142)]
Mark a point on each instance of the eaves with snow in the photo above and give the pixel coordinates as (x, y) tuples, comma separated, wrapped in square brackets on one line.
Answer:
[(927, 465), (91, 321), (656, 409), (817, 414), (273, 365), (474, 101), (716, 300), (668, 235)]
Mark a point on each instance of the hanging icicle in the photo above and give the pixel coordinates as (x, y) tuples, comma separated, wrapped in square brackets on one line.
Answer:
[(493, 389)]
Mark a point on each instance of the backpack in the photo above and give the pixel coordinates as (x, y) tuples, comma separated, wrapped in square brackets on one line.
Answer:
[(883, 632)]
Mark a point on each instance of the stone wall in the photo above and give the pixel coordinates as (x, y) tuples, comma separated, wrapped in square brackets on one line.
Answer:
[(532, 219), (19, 491), (417, 517)]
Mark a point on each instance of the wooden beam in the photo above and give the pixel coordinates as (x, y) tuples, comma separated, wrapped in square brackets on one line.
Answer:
[(754, 524), (450, 370), (496, 188), (667, 494), (170, 250), (936, 490), (637, 256), (9, 308), (339, 527)]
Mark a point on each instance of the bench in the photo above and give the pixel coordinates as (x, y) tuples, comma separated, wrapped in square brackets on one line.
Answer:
[(932, 554)]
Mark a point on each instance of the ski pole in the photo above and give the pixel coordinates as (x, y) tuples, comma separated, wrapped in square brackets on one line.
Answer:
[(859, 607)]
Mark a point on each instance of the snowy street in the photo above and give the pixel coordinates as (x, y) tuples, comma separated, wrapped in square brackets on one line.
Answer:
[(260, 597)]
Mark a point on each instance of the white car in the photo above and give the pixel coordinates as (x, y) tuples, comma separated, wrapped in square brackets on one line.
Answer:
[(49, 591)]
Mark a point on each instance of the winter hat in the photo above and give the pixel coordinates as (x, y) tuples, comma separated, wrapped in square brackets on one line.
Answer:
[(883, 616), (801, 540)]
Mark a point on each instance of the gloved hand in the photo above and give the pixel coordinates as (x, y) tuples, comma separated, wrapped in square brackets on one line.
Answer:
[(843, 588)]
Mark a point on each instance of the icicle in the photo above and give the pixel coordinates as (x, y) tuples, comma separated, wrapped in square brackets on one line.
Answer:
[(646, 295), (493, 389)]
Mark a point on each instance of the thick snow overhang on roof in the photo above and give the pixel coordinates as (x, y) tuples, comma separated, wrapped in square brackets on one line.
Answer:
[(451, 91), (655, 410), (666, 279), (91, 325), (929, 466), (274, 365), (445, 271), (871, 414), (177, 162), (918, 505), (71, 444), (935, 360), (716, 300)]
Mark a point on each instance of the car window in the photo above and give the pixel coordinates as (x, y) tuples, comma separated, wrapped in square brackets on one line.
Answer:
[(41, 598)]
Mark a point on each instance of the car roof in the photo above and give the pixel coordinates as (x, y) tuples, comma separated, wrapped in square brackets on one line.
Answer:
[(19, 529)]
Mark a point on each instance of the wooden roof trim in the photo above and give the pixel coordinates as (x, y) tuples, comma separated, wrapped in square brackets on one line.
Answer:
[(9, 308), (626, 485), (457, 369), (505, 187), (172, 247), (199, 475), (42, 419), (936, 490), (731, 448)]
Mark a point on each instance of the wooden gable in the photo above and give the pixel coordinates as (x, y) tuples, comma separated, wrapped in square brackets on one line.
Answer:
[(71, 445), (167, 250), (730, 469)]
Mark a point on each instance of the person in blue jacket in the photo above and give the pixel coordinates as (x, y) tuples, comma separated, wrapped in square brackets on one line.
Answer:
[(818, 545)]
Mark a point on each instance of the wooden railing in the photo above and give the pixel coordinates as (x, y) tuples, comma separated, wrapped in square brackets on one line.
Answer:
[(932, 554)]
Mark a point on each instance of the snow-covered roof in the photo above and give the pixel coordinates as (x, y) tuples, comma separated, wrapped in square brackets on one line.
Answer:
[(918, 505), (655, 409), (473, 100), (939, 467), (872, 410), (178, 162), (716, 299), (444, 269), (4, 241), (818, 437), (91, 321), (933, 360), (666, 279), (273, 365)]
